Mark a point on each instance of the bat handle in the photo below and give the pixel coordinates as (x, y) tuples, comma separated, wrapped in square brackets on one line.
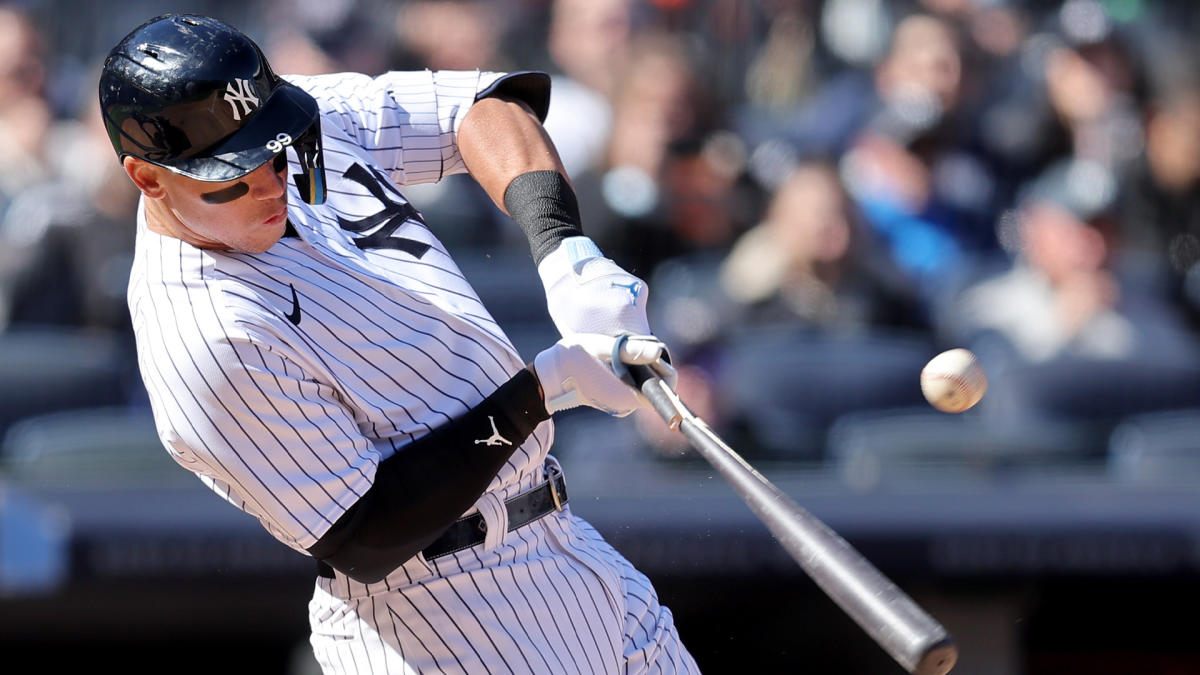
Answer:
[(899, 625), (664, 401)]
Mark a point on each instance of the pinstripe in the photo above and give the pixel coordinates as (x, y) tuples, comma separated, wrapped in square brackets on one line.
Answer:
[(542, 563), (456, 619), (550, 613), (536, 615), (372, 320), (520, 645), (203, 411), (265, 427), (499, 622), (299, 437), (572, 584), (445, 648), (288, 420), (366, 381)]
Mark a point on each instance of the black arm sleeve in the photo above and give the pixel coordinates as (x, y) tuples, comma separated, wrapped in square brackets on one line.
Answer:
[(419, 491)]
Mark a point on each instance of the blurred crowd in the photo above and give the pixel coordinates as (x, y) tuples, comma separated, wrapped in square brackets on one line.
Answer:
[(822, 194)]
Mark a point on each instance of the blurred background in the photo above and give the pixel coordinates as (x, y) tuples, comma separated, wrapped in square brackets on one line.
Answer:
[(822, 195)]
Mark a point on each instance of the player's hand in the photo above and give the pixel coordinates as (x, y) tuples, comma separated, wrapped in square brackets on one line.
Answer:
[(588, 293), (578, 370)]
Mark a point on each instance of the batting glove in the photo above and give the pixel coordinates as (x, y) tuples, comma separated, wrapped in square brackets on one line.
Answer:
[(578, 370), (588, 293)]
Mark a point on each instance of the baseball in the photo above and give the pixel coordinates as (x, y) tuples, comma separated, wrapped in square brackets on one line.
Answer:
[(953, 381)]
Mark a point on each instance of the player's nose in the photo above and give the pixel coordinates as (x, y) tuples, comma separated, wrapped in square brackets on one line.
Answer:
[(266, 183)]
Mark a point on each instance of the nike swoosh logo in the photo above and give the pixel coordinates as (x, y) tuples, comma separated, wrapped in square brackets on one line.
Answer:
[(294, 317)]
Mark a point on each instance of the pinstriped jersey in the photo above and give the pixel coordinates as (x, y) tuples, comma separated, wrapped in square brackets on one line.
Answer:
[(283, 378)]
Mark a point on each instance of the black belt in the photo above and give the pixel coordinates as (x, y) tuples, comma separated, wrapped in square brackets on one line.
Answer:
[(471, 530)]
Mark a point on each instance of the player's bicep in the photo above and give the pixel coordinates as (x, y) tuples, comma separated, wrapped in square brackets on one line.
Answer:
[(429, 110)]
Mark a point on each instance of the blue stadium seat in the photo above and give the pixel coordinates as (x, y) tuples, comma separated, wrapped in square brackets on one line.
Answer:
[(1160, 446)]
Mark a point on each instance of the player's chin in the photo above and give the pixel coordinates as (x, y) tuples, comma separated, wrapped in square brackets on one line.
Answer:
[(262, 237)]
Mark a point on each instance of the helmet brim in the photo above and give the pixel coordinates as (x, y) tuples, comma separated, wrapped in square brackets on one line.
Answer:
[(284, 118)]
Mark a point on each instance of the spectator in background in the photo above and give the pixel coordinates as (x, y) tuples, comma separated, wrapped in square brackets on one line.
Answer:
[(1162, 206), (26, 116), (1072, 334), (325, 36), (588, 43), (666, 186), (67, 244), (1073, 90), (812, 264), (927, 196), (457, 35), (26, 126), (1066, 292), (453, 34), (811, 273)]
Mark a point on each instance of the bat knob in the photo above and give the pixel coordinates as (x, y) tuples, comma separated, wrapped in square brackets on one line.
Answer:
[(938, 660)]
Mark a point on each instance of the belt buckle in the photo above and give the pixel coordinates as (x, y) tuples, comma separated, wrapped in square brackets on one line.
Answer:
[(553, 473)]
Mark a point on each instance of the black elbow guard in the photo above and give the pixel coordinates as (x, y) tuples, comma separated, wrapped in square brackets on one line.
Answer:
[(419, 491)]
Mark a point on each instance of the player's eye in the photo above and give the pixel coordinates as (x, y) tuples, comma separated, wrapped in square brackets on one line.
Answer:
[(226, 195)]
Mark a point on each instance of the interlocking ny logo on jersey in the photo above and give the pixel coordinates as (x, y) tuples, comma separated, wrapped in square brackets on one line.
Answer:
[(244, 94), (394, 214), (495, 438)]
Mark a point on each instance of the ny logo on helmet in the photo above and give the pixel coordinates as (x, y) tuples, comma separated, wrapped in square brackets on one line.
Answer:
[(244, 94)]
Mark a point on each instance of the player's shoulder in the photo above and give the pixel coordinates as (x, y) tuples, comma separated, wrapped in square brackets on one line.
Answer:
[(217, 296)]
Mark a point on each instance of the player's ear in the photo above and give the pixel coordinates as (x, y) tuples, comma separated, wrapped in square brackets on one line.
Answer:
[(146, 176)]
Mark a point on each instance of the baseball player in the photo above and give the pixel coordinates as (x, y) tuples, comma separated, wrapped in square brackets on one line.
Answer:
[(313, 354)]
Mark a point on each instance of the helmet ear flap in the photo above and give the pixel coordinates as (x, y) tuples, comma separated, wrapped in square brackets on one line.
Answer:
[(311, 179)]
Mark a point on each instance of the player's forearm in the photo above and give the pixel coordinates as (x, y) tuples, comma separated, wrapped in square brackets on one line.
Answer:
[(501, 138), (422, 488)]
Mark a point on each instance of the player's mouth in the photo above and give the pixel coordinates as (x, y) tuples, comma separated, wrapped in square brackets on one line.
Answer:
[(277, 218)]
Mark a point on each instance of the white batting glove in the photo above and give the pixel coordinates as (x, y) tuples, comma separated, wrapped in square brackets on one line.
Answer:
[(578, 370), (588, 293)]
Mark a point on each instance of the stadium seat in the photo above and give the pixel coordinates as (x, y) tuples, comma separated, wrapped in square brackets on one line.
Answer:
[(44, 370), (1160, 446), (86, 446), (872, 447), (788, 387)]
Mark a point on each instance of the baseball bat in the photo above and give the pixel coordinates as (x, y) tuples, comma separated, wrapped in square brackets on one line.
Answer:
[(906, 632)]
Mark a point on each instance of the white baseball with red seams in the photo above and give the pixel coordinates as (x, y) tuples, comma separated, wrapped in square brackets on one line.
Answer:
[(953, 381)]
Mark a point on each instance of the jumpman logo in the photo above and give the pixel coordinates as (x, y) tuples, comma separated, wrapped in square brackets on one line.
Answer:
[(495, 438), (634, 287)]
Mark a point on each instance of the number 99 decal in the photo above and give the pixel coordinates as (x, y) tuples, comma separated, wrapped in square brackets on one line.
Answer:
[(280, 142)]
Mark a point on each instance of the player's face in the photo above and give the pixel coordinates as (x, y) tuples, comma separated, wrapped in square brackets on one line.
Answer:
[(248, 214)]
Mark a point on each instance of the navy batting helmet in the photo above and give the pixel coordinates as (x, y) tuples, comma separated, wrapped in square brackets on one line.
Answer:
[(196, 96)]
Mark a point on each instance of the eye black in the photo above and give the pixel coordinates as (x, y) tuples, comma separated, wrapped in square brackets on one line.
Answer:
[(226, 195)]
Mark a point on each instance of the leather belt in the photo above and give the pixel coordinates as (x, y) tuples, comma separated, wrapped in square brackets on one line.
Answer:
[(471, 530)]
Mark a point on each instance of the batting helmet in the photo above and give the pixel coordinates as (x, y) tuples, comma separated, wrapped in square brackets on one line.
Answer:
[(196, 96)]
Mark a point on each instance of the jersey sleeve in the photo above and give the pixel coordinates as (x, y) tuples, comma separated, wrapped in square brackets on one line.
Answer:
[(409, 120), (266, 435)]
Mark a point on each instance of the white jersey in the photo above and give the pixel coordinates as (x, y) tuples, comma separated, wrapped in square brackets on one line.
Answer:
[(283, 378)]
